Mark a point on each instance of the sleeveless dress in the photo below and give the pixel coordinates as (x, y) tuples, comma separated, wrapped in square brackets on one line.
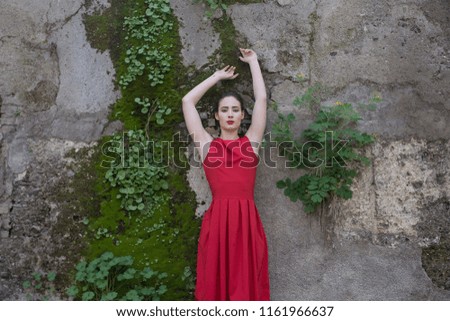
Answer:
[(232, 259)]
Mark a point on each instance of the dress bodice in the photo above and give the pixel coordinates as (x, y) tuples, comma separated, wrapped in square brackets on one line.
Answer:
[(230, 168)]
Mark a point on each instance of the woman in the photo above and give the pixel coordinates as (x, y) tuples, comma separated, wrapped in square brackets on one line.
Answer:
[(232, 259)]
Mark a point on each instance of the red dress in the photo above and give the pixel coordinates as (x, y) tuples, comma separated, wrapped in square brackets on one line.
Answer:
[(232, 260)]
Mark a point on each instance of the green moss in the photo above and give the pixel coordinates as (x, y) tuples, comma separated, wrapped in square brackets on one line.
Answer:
[(166, 240), (435, 261), (78, 200)]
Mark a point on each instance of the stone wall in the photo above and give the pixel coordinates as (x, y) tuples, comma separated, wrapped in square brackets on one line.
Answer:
[(375, 246), (55, 95), (391, 241)]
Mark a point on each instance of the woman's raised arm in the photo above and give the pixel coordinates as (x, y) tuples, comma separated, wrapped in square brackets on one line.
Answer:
[(256, 130), (191, 116)]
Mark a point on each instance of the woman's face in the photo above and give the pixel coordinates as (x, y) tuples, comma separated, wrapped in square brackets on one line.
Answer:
[(229, 113)]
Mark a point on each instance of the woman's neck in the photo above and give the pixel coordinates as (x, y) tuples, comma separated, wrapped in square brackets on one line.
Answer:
[(229, 137)]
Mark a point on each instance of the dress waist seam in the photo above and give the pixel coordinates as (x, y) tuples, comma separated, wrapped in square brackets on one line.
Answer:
[(234, 197)]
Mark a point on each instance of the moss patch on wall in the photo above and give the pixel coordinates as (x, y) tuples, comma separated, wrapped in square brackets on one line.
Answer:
[(166, 240), (77, 200), (436, 257)]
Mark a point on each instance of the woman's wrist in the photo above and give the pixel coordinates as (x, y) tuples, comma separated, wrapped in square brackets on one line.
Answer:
[(216, 76), (254, 62)]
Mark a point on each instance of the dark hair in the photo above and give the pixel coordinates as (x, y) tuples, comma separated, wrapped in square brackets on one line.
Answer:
[(229, 94)]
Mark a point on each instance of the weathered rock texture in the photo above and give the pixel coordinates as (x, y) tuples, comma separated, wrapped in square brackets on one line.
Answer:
[(391, 240), (192, 20), (55, 95)]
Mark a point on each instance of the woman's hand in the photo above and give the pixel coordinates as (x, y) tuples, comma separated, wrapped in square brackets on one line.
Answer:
[(248, 55), (226, 73)]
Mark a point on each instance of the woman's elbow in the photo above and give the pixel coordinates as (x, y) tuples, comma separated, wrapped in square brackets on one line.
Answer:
[(185, 101)]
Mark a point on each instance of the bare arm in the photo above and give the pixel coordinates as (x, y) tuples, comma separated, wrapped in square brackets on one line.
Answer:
[(256, 130), (191, 116)]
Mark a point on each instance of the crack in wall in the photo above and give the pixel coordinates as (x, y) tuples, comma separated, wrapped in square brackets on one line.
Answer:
[(51, 27), (6, 200), (313, 18)]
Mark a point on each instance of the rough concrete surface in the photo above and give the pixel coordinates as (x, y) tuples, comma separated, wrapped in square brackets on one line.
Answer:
[(195, 30), (55, 96), (371, 247), (55, 91), (399, 48)]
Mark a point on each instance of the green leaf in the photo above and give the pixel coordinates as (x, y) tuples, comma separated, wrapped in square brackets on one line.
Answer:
[(310, 208), (87, 296), (109, 296), (290, 117), (147, 273), (72, 291), (132, 295), (162, 289), (51, 276), (121, 175), (37, 276), (281, 184), (344, 192), (80, 276), (316, 198), (312, 186), (101, 284), (148, 291)]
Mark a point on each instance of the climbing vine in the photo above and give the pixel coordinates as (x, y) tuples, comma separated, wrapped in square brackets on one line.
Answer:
[(110, 277), (136, 175), (330, 149), (212, 6), (146, 55), (136, 219)]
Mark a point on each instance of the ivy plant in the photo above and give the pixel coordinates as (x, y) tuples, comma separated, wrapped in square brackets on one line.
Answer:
[(110, 277), (212, 6), (330, 150), (138, 178), (41, 286), (147, 55)]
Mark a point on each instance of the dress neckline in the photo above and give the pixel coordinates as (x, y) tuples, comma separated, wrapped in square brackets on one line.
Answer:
[(229, 140)]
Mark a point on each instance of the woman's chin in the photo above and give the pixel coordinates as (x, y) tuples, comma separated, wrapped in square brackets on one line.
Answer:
[(230, 129)]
